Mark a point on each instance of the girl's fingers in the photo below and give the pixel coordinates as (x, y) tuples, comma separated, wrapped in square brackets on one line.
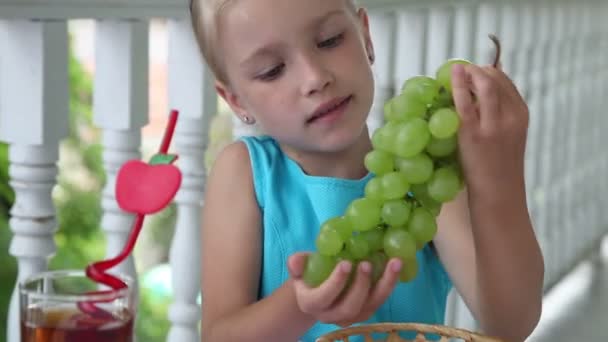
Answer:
[(314, 300), (296, 264), (352, 302), (487, 92), (509, 89), (463, 98), (386, 284)]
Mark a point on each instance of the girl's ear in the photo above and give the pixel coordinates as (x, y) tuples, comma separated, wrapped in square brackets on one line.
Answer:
[(233, 101), (369, 46)]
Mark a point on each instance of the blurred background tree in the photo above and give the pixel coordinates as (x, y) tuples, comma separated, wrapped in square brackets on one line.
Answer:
[(8, 271)]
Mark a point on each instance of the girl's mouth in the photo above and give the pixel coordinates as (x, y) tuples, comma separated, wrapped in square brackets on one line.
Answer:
[(330, 111)]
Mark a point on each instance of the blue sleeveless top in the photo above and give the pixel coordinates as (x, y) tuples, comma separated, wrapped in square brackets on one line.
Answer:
[(293, 207)]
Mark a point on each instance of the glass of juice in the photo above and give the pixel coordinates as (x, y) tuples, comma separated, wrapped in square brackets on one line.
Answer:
[(67, 306)]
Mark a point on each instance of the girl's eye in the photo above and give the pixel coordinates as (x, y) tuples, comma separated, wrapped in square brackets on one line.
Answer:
[(272, 73), (331, 42)]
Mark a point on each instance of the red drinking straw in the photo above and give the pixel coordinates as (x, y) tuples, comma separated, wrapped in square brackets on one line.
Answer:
[(97, 271)]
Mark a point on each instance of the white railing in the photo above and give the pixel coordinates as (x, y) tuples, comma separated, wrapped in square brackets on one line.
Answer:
[(554, 50)]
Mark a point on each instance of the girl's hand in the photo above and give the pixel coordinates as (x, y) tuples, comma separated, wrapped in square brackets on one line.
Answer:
[(327, 302), (494, 123)]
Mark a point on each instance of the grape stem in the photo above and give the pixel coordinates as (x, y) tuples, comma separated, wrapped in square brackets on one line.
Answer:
[(498, 49)]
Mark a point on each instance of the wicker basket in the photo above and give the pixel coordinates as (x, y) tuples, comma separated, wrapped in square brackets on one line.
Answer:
[(392, 329)]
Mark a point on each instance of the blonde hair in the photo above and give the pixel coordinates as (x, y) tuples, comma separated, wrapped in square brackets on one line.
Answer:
[(204, 15)]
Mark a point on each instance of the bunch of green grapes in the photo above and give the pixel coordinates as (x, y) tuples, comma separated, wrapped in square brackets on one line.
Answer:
[(416, 170)]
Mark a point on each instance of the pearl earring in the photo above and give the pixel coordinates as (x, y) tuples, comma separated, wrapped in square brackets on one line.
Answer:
[(370, 54)]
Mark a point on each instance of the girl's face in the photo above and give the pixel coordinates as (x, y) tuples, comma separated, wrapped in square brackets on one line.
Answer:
[(301, 69)]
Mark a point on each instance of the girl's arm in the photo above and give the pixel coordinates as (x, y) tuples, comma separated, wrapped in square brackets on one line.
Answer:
[(485, 236), (231, 262), (494, 260)]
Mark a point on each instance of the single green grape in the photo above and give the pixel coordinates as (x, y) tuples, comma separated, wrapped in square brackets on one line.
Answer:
[(442, 147), (412, 138), (357, 246), (389, 113), (417, 169), (421, 195), (339, 224), (398, 243), (364, 214), (379, 162), (384, 137), (318, 268), (444, 72), (374, 238), (421, 88), (422, 226), (373, 190), (345, 255), (405, 108), (394, 185), (444, 185), (378, 261), (444, 99), (444, 123), (329, 242), (396, 212)]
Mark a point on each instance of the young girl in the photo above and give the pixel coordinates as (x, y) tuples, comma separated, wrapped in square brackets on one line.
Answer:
[(302, 71)]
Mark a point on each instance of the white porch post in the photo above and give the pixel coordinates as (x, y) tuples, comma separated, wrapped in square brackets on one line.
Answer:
[(33, 119), (439, 38), (120, 105), (191, 91), (410, 45), (382, 30)]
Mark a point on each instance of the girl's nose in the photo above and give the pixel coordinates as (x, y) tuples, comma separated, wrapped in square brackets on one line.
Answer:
[(316, 75)]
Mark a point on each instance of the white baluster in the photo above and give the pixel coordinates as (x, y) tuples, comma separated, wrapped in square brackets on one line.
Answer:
[(522, 78), (602, 189), (464, 24), (120, 105), (571, 143), (602, 89), (565, 168), (599, 103), (579, 142), (439, 38), (382, 27), (410, 45), (33, 119), (509, 34), (487, 23), (191, 91)]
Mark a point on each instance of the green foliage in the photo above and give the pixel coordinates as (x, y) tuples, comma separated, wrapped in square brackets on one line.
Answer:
[(79, 239), (8, 271), (152, 324), (7, 195)]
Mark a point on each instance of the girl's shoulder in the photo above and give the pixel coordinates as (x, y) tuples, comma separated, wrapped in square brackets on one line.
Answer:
[(261, 148), (251, 152), (260, 155)]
